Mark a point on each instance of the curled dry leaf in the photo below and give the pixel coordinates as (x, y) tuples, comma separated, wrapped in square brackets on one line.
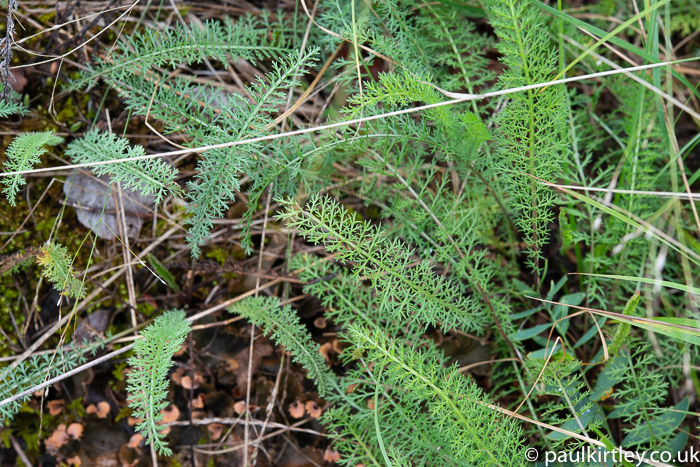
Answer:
[(198, 402), (75, 430), (186, 381), (296, 409), (216, 429), (239, 407), (135, 441), (177, 375), (337, 348), (313, 409), (326, 351), (330, 455), (170, 414), (320, 322), (57, 440), (102, 409), (55, 407), (75, 460)]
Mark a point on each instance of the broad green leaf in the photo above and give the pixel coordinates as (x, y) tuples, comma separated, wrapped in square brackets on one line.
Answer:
[(528, 333)]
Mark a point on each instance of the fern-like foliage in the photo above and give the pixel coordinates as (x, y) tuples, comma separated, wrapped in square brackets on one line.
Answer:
[(147, 176), (23, 153), (11, 107), (34, 371), (641, 393), (531, 124), (250, 38), (58, 269), (147, 382), (219, 169), (406, 287), (349, 301), (477, 433), (286, 330)]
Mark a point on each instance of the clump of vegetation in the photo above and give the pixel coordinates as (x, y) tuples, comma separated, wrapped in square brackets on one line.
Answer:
[(472, 228)]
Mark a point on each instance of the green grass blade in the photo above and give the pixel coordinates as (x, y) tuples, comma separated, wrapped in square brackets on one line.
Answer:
[(645, 280), (613, 40)]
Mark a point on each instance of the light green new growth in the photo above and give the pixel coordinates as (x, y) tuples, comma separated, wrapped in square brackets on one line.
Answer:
[(148, 176), (286, 330), (623, 329), (24, 153), (147, 381), (58, 269), (406, 287)]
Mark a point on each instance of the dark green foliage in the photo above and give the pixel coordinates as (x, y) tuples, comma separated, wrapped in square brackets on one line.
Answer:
[(437, 237)]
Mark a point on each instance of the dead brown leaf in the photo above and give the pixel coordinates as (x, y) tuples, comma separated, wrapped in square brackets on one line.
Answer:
[(216, 430), (55, 407), (75, 430), (313, 409), (170, 414), (239, 407), (326, 351), (320, 322), (198, 402), (337, 348), (135, 441), (186, 381), (176, 377), (296, 409), (183, 349)]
